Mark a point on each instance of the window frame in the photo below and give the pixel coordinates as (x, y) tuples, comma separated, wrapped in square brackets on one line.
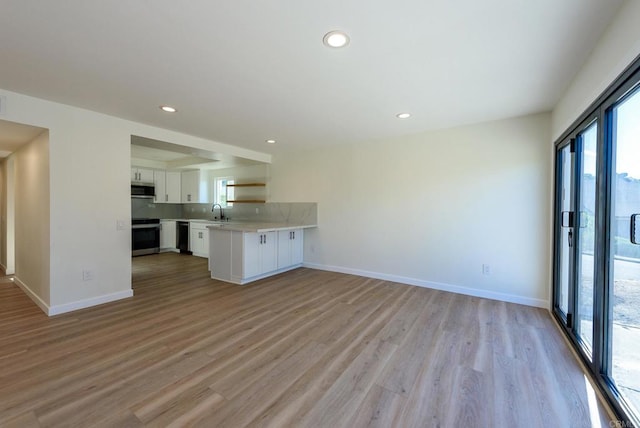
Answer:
[(217, 193), (601, 111)]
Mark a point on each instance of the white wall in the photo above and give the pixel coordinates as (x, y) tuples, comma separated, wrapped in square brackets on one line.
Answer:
[(616, 49), (3, 213), (32, 217), (431, 209), (89, 176), (7, 216)]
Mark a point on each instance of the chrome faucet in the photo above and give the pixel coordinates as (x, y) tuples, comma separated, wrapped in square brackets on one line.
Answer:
[(213, 209)]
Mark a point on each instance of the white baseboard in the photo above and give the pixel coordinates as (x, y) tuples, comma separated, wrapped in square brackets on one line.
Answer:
[(86, 303), (73, 306), (7, 271), (33, 296), (493, 295)]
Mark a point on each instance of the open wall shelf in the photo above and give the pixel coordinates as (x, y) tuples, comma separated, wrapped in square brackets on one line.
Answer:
[(251, 199), (247, 185)]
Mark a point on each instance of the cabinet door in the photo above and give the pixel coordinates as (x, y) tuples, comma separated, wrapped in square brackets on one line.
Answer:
[(198, 239), (269, 252), (145, 175), (297, 246), (189, 186), (173, 189), (284, 248), (134, 174), (168, 234), (252, 243), (159, 178)]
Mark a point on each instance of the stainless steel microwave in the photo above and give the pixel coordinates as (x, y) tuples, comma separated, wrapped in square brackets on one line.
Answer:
[(143, 191)]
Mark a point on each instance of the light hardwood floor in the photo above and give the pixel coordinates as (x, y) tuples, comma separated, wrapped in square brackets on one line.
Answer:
[(303, 349)]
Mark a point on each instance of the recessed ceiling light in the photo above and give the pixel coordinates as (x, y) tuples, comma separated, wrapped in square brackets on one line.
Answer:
[(403, 115), (336, 39), (271, 141), (168, 109)]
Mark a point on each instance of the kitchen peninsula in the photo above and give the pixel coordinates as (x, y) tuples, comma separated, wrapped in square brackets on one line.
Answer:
[(244, 252)]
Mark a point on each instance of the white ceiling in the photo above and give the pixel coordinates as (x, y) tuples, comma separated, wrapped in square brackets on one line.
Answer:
[(244, 71)]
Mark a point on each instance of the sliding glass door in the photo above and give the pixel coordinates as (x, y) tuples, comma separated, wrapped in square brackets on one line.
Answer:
[(624, 256), (597, 242), (575, 229), (564, 202), (586, 214)]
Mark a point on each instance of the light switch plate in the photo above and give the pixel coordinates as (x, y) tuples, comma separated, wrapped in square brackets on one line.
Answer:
[(3, 105)]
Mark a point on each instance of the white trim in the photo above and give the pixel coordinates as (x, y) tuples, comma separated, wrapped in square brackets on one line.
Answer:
[(73, 306), (169, 250), (494, 295), (238, 280), (33, 296), (86, 303)]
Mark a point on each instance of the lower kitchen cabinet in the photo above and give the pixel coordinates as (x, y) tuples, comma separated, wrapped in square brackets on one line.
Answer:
[(198, 239), (259, 253), (168, 235), (290, 247), (241, 257)]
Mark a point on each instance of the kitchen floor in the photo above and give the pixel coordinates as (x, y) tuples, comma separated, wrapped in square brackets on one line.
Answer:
[(306, 348)]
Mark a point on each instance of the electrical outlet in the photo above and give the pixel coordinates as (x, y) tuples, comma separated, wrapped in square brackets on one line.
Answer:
[(120, 224), (257, 210), (486, 269), (87, 275)]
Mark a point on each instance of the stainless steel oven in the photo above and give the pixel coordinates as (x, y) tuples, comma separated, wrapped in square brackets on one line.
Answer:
[(145, 236)]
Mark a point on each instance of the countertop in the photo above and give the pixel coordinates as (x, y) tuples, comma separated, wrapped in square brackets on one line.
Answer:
[(239, 226), (258, 227)]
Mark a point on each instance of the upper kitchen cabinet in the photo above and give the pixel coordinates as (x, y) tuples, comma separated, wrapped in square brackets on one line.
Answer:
[(195, 187), (168, 187), (174, 187), (159, 182), (141, 175)]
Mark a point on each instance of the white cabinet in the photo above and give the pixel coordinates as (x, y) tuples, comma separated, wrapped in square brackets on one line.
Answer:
[(141, 175), (159, 179), (198, 239), (195, 187), (173, 186), (241, 257), (290, 247), (260, 253), (167, 235), (167, 186)]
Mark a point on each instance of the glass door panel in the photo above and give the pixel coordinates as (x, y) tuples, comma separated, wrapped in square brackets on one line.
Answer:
[(586, 152), (565, 232), (624, 257)]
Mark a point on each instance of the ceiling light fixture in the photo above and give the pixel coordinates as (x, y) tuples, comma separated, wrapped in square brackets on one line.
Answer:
[(403, 115), (168, 109), (271, 141), (336, 39)]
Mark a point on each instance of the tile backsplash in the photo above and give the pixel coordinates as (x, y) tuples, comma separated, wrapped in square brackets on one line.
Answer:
[(305, 213), (271, 212), (145, 208)]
